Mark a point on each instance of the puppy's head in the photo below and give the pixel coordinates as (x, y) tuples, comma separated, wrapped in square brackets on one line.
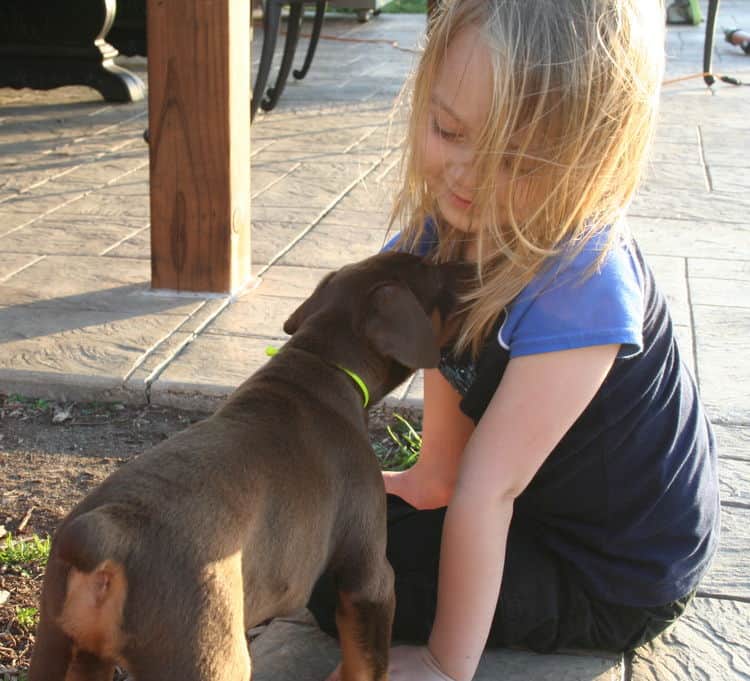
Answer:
[(382, 315)]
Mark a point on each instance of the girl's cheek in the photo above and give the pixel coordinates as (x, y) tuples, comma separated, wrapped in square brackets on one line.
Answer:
[(434, 155)]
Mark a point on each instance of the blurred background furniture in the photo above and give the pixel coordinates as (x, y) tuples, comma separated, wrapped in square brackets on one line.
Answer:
[(267, 99), (708, 44), (46, 44), (363, 8)]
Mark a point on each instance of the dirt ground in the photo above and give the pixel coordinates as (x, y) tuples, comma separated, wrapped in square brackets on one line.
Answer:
[(51, 455)]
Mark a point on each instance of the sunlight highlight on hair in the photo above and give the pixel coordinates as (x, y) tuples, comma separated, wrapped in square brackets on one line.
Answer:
[(572, 115)]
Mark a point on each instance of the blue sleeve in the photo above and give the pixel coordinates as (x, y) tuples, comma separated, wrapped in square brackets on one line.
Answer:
[(391, 242), (426, 243), (569, 307)]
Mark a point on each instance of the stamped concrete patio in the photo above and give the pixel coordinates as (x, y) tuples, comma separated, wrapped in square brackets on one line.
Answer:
[(78, 321)]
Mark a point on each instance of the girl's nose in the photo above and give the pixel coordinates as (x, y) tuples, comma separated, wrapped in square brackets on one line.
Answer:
[(460, 174)]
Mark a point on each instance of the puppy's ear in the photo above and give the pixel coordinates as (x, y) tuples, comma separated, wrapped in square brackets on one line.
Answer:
[(309, 307), (398, 327), (298, 316)]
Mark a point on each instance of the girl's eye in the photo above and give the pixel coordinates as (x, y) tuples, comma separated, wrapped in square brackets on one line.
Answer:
[(449, 135)]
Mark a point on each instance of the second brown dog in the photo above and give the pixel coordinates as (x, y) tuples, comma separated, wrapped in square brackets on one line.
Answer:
[(165, 565)]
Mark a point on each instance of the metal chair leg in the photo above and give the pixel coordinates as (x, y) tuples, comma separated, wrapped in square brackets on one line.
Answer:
[(708, 44), (320, 10), (271, 20), (290, 45)]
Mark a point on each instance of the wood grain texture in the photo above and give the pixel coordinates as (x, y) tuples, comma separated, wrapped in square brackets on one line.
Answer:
[(199, 126)]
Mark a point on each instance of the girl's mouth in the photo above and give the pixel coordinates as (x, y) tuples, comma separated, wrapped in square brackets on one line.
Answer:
[(460, 201)]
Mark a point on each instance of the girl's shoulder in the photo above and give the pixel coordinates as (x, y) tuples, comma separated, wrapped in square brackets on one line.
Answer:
[(592, 297)]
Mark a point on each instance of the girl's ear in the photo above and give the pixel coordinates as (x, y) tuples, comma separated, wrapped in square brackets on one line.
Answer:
[(399, 328)]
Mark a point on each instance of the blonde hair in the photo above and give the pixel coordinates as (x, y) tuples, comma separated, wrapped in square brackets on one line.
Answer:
[(583, 76)]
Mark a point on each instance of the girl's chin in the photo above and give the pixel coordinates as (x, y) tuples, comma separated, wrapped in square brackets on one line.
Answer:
[(458, 219)]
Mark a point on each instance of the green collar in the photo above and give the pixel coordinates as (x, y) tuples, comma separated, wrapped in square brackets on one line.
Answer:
[(271, 351)]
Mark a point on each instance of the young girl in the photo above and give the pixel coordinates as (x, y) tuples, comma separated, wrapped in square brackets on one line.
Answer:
[(562, 430)]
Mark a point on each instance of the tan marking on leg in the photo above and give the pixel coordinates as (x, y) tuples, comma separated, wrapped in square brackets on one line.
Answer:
[(355, 666), (220, 626), (87, 667), (93, 608)]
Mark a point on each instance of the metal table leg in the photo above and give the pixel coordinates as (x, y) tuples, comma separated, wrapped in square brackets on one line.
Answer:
[(708, 44)]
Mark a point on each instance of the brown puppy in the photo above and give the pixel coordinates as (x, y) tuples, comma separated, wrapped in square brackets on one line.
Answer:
[(165, 565)]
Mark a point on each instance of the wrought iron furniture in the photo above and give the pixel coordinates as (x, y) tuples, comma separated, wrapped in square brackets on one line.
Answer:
[(267, 99), (47, 43), (708, 44)]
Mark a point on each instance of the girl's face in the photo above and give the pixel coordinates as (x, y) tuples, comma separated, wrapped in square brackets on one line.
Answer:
[(458, 108)]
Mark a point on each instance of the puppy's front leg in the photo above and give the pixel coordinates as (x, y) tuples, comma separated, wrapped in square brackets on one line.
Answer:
[(364, 618)]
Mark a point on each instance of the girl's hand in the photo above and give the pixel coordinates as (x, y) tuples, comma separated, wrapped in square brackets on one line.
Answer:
[(431, 481), (414, 663), (417, 488)]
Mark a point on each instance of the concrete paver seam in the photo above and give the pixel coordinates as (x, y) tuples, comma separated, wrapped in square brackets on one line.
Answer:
[(158, 343), (62, 205), (159, 368), (365, 136), (119, 243), (704, 164), (49, 211), (274, 259), (100, 111), (256, 149), (51, 178), (276, 180), (387, 170), (22, 268), (719, 220), (113, 126), (78, 140), (162, 366)]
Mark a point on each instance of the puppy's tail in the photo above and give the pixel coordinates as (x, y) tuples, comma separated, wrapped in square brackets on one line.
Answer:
[(93, 537)]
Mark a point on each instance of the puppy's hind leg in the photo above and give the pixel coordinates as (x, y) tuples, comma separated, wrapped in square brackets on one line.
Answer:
[(364, 617), (88, 667), (202, 635), (55, 658)]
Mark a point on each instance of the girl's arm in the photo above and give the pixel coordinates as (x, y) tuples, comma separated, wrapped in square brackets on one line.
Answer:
[(537, 401), (430, 482)]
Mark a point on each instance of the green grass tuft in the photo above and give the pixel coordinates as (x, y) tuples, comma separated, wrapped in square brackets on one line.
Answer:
[(15, 553), (396, 7), (406, 7), (400, 450), (27, 618)]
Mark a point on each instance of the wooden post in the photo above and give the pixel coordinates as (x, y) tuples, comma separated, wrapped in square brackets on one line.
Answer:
[(199, 137)]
